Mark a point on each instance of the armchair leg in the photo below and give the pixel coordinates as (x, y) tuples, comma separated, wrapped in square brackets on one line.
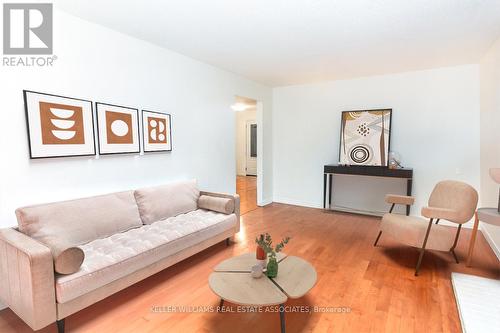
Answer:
[(437, 221), (60, 326), (419, 262), (454, 256), (422, 250), (473, 240), (452, 250), (378, 237)]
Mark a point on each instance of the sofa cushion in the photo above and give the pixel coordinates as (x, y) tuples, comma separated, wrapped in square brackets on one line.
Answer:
[(112, 258), (217, 204), (79, 221), (161, 202)]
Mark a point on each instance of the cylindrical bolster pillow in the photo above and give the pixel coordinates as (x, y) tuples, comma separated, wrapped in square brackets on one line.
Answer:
[(217, 204), (67, 259)]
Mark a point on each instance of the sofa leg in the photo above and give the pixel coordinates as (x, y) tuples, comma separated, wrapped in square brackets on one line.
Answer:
[(227, 241), (60, 326)]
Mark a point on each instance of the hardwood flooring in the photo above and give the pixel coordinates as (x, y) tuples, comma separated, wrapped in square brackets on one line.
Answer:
[(376, 283), (246, 187)]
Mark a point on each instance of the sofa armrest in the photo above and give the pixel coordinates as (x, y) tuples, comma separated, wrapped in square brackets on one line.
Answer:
[(235, 197), (27, 278), (399, 199)]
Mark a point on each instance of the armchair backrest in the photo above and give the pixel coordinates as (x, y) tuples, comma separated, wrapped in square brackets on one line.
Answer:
[(457, 196)]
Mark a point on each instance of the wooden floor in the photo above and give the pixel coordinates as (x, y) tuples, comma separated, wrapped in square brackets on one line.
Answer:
[(376, 283), (246, 187)]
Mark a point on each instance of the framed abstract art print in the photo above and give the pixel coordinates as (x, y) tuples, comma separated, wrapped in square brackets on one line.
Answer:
[(156, 131), (365, 137), (58, 126), (118, 129)]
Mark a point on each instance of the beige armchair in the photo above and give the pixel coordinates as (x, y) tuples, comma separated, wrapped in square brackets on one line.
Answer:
[(450, 200)]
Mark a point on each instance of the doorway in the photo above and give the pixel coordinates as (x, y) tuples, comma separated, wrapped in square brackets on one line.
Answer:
[(251, 145), (246, 152)]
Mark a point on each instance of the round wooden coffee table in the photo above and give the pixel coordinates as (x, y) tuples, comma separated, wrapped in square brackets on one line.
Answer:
[(232, 282)]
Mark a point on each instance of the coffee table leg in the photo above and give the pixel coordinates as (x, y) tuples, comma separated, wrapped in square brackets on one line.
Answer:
[(220, 305), (282, 318)]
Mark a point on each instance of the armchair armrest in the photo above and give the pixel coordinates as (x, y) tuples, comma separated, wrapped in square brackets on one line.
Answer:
[(440, 213), (399, 199), (27, 275), (235, 197)]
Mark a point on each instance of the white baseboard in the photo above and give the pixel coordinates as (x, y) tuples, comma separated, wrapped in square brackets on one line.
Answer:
[(2, 306), (289, 201), (264, 202), (490, 241)]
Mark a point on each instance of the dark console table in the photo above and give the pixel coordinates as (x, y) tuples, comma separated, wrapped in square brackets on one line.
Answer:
[(361, 170)]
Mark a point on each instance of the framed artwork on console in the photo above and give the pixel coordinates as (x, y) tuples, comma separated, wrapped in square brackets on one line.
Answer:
[(365, 137), (118, 129), (58, 126), (156, 131)]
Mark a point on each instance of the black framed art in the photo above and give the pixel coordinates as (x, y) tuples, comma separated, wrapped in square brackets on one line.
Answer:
[(58, 126), (156, 131), (118, 129)]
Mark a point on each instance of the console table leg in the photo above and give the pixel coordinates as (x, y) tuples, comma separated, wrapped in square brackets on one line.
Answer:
[(324, 191), (330, 178), (282, 318), (409, 183)]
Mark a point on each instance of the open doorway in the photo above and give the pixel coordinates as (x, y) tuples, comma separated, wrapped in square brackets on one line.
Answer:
[(246, 152)]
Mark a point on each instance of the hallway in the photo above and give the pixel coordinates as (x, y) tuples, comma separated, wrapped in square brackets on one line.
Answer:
[(246, 187)]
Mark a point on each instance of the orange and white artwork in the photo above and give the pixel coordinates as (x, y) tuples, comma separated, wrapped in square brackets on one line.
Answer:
[(118, 128), (59, 126), (157, 131)]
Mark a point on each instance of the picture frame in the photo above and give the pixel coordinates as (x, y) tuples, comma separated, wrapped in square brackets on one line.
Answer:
[(58, 126), (117, 128), (365, 137), (156, 131)]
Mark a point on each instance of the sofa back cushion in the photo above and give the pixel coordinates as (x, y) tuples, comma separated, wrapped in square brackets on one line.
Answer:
[(80, 221), (161, 202)]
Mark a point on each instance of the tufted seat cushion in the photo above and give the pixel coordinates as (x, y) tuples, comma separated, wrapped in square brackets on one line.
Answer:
[(119, 255)]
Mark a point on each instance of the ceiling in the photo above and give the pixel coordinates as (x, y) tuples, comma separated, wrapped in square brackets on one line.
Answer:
[(284, 42)]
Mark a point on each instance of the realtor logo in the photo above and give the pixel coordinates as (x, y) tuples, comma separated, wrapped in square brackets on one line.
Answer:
[(27, 28)]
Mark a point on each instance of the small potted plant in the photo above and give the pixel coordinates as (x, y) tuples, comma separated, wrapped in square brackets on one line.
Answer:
[(266, 243)]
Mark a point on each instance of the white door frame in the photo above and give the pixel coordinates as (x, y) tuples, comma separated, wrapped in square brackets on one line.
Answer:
[(260, 153), (248, 143)]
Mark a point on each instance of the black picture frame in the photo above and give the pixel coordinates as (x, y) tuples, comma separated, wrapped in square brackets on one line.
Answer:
[(28, 127), (390, 134), (169, 132), (99, 136)]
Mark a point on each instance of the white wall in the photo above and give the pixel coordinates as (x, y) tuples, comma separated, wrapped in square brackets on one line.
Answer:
[(242, 118), (103, 65), (490, 136), (435, 129)]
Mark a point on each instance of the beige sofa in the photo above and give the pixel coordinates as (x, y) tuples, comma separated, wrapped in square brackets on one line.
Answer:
[(125, 237)]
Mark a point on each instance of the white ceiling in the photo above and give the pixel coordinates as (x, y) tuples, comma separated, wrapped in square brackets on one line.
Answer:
[(283, 42)]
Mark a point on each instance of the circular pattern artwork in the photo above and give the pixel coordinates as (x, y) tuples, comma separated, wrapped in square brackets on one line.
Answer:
[(361, 154)]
